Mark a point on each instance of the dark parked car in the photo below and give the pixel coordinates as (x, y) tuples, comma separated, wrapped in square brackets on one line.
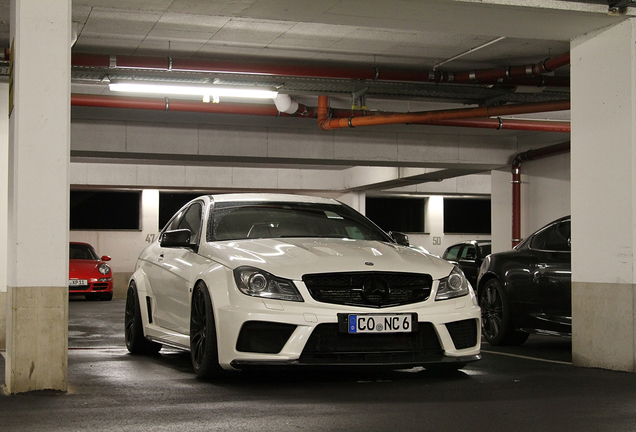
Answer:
[(528, 290), (468, 256)]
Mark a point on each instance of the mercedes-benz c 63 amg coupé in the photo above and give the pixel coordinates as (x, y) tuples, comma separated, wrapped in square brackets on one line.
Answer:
[(260, 280)]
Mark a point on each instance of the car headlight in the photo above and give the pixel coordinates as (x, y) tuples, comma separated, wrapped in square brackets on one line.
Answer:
[(103, 269), (258, 283), (453, 285)]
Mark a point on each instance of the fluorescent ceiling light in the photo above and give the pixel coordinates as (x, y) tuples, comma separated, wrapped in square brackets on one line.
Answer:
[(206, 92)]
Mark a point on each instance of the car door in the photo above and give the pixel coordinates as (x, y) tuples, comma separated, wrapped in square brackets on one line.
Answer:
[(171, 284), (552, 274)]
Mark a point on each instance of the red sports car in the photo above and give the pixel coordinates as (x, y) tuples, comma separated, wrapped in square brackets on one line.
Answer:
[(89, 275)]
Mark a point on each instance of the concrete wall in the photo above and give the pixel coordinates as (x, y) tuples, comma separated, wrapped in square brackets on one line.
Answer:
[(196, 139)]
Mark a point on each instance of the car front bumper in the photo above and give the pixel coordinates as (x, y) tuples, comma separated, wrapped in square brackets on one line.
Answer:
[(263, 333)]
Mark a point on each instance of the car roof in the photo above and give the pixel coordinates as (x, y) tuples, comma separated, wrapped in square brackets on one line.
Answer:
[(237, 197)]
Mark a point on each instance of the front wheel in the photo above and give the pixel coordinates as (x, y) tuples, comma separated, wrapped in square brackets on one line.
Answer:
[(136, 342), (203, 344), (495, 316)]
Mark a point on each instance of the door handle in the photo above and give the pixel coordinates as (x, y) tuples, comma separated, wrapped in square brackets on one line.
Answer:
[(542, 267), (160, 257)]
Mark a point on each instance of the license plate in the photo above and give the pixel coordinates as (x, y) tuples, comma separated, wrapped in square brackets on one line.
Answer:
[(77, 282), (389, 323)]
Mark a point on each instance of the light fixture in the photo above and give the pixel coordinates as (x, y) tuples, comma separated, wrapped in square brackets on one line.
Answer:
[(206, 92)]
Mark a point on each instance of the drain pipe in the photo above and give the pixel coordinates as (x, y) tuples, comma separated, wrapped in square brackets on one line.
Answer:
[(529, 155)]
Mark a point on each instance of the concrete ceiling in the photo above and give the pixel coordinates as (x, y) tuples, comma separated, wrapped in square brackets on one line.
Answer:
[(376, 33)]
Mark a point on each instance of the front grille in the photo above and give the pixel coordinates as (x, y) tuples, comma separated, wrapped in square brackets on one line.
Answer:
[(100, 286), (463, 333), (369, 289), (328, 344), (78, 287)]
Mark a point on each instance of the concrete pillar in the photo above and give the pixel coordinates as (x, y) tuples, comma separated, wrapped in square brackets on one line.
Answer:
[(38, 196), (4, 185), (603, 198), (501, 210)]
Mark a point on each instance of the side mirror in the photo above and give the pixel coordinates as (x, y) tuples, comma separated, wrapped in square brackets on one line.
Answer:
[(105, 258), (400, 238), (176, 238)]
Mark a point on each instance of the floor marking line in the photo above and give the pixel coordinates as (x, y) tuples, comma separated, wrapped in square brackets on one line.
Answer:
[(528, 358)]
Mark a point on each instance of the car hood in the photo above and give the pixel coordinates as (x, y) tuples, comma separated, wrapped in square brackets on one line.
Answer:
[(292, 258), (82, 269)]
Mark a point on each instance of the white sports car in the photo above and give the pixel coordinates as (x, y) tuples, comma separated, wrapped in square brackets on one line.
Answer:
[(253, 280)]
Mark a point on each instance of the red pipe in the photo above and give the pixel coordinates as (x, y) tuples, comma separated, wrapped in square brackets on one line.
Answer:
[(529, 155), (372, 73), (431, 116), (188, 106)]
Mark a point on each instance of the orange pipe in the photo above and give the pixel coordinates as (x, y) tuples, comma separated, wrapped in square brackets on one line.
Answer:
[(428, 116)]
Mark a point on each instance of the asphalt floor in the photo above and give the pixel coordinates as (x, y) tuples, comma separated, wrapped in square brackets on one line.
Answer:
[(533, 387)]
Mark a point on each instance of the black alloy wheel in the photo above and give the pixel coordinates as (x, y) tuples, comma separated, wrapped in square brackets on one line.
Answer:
[(203, 343), (496, 324), (136, 342)]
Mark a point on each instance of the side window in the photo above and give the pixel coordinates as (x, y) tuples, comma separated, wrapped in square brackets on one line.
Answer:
[(192, 220), (452, 253), (174, 223), (554, 238), (469, 253)]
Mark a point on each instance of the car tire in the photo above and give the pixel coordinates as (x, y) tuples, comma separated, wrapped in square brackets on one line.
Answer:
[(496, 324), (136, 342), (203, 343)]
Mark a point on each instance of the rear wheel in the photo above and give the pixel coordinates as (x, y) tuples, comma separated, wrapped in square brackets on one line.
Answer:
[(495, 316), (136, 342), (203, 345)]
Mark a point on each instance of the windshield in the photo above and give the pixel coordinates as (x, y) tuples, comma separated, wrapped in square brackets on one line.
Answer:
[(245, 220), (82, 251)]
